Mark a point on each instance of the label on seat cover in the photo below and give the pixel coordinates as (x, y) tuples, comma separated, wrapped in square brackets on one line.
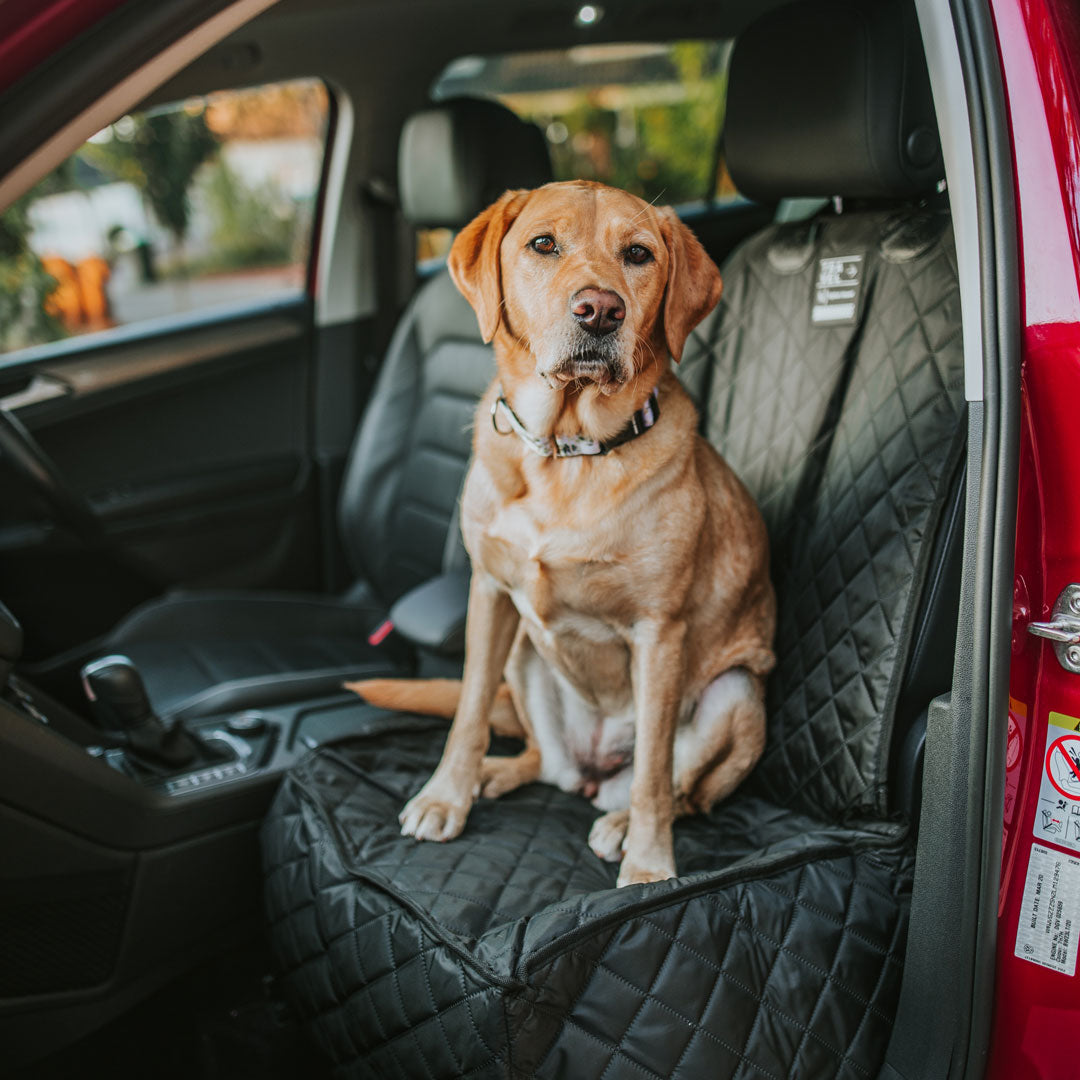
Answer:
[(1050, 912), (837, 290)]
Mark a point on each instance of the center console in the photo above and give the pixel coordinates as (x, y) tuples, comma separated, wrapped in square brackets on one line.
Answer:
[(129, 844)]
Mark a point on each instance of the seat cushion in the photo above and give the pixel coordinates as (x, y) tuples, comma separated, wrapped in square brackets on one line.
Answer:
[(207, 652), (510, 952)]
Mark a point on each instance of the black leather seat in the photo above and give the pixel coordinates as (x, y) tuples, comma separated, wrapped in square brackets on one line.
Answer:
[(837, 394), (203, 652)]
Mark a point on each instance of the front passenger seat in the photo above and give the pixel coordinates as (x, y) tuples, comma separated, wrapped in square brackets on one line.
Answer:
[(206, 652), (831, 376)]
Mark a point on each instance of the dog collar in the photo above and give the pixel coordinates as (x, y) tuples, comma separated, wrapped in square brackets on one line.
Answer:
[(577, 446)]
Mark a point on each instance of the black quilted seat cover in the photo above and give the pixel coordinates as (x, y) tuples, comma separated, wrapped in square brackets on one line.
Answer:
[(511, 953), (777, 952), (847, 436)]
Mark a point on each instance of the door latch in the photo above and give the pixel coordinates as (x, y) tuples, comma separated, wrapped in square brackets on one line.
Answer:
[(1063, 629)]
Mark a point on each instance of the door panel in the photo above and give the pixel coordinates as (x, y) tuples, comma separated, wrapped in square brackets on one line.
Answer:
[(193, 447)]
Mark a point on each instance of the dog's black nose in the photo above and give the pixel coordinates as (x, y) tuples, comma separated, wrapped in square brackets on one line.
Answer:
[(598, 310)]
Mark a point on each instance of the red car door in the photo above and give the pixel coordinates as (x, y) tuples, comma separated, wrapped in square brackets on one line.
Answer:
[(1037, 994)]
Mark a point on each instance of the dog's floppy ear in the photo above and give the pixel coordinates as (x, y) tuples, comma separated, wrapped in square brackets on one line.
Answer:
[(474, 259), (693, 284)]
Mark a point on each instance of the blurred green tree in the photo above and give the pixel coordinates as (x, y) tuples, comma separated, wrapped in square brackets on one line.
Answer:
[(24, 283), (658, 142), (253, 226), (158, 152)]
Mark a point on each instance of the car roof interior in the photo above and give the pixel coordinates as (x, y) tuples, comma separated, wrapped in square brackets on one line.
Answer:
[(385, 85)]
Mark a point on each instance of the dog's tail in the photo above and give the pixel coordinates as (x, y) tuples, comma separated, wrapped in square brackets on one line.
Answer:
[(436, 697)]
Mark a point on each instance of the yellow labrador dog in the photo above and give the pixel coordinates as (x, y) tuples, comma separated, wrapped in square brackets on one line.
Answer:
[(621, 615)]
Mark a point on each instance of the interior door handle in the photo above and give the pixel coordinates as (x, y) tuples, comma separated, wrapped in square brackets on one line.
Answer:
[(40, 388), (1063, 629)]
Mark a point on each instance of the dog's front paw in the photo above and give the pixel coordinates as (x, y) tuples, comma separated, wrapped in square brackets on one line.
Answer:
[(655, 864), (437, 812), (608, 834)]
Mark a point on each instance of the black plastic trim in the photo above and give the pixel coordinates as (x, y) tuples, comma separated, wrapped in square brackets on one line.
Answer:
[(155, 331), (997, 540), (943, 1020)]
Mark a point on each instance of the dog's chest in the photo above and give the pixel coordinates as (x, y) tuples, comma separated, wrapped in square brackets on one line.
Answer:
[(562, 581)]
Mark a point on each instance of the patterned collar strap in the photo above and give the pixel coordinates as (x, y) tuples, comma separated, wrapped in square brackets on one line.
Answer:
[(579, 445)]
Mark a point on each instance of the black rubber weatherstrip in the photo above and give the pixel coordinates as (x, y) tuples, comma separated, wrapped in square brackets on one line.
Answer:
[(997, 545), (943, 1020)]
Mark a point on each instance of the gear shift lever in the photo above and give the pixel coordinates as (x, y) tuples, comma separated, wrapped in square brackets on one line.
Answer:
[(116, 690)]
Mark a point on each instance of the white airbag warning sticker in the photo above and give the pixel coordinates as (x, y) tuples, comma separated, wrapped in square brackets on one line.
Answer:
[(1046, 933), (1057, 819)]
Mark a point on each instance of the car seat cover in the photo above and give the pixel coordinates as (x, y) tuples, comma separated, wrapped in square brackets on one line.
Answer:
[(846, 436), (511, 952)]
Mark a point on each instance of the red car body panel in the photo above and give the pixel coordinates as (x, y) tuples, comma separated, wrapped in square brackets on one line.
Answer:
[(1037, 1010), (31, 31)]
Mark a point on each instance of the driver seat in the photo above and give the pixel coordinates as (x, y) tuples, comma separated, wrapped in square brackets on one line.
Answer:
[(206, 652)]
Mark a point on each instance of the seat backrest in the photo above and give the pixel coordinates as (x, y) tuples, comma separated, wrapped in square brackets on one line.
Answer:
[(830, 376), (408, 459)]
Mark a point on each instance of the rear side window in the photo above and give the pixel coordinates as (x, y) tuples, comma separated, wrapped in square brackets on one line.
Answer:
[(201, 204), (644, 117)]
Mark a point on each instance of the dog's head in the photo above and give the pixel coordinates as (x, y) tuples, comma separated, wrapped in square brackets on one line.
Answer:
[(593, 283)]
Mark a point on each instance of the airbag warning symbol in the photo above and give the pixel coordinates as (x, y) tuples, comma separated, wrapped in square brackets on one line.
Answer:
[(1057, 819)]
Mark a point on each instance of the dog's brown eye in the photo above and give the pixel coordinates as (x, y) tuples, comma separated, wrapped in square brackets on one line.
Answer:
[(637, 254), (544, 244)]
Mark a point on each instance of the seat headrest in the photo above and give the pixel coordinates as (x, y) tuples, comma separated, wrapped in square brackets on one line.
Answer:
[(458, 158), (832, 97)]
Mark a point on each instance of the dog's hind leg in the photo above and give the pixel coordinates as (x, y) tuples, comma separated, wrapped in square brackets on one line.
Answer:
[(499, 775), (714, 753), (723, 741)]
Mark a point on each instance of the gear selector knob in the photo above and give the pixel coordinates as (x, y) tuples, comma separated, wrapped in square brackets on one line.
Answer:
[(119, 698), (116, 690)]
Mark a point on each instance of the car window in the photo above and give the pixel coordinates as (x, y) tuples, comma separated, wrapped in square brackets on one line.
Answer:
[(644, 117), (182, 208)]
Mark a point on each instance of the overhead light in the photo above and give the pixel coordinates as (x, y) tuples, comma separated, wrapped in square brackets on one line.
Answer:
[(588, 15)]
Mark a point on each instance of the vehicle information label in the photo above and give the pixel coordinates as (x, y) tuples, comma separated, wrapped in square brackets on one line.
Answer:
[(1050, 913), (1057, 817), (837, 289)]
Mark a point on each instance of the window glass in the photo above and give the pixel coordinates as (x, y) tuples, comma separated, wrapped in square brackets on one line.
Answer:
[(644, 117), (190, 206)]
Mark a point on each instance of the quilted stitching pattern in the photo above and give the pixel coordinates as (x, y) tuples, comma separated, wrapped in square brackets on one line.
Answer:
[(777, 954), (382, 992), (464, 959), (788, 975), (847, 458)]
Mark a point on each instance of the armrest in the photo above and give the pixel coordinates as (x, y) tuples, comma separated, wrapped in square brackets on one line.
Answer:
[(432, 616)]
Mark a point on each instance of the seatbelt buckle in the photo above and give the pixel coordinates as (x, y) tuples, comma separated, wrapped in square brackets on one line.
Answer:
[(381, 632)]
